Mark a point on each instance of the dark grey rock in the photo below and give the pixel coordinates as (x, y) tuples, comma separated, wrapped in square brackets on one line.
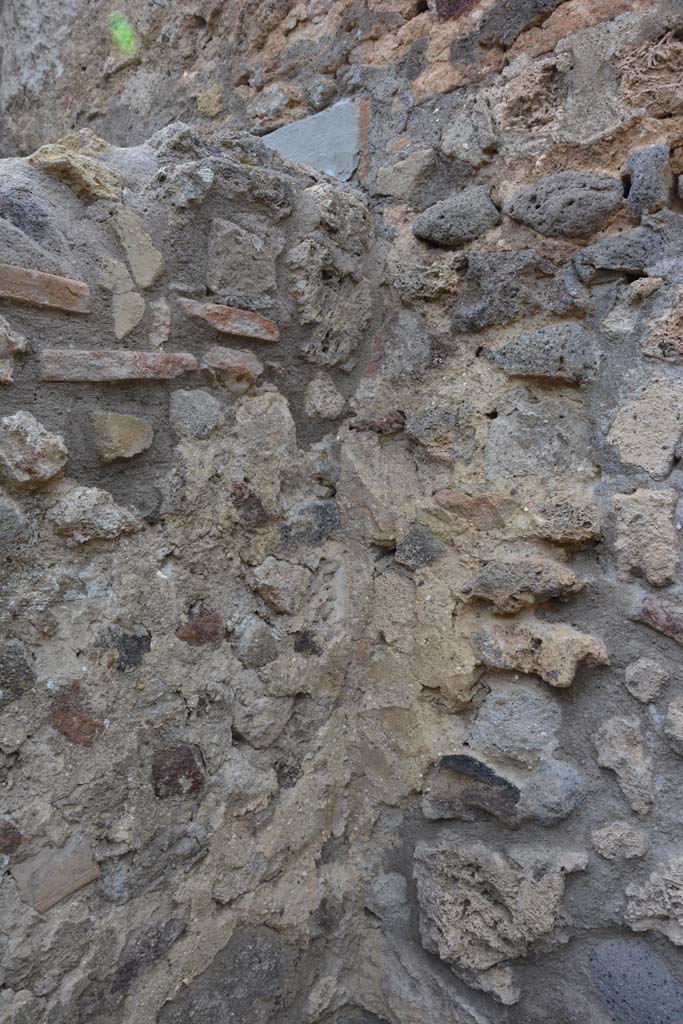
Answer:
[(406, 348), (328, 141), (551, 793), (195, 413), (25, 213), (568, 204), (244, 984), (132, 646), (629, 253), (561, 352), (536, 435), (462, 788), (498, 287), (16, 672), (419, 547), (650, 179), (458, 219), (310, 524), (498, 27), (634, 983), (177, 848), (14, 528), (443, 433)]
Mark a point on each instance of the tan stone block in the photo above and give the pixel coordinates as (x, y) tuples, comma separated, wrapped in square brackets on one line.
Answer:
[(146, 262), (233, 363), (121, 437), (53, 874), (89, 178), (647, 544), (38, 289)]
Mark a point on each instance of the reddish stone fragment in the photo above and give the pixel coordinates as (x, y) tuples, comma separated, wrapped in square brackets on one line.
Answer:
[(249, 507), (664, 616), (68, 364), (177, 771), (453, 8), (233, 364), (10, 837), (71, 718), (38, 289), (229, 320), (205, 627)]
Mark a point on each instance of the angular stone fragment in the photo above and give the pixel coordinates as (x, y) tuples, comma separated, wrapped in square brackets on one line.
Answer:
[(311, 523), (537, 435), (177, 771), (233, 364), (43, 290), (485, 511), (568, 204), (644, 679), (621, 748), (204, 626), (470, 136), (516, 723), (14, 528), (560, 352), (241, 264), (657, 904), (240, 323), (129, 305), (664, 616), (30, 455), (145, 260), (283, 585), (512, 585), (195, 413), (89, 178), (651, 179), (444, 433), (401, 179), (647, 544), (665, 338), (567, 517), (68, 364), (673, 724), (12, 344), (479, 907), (323, 399), (418, 548), (619, 841), (646, 429), (89, 513), (552, 651), (328, 141), (161, 323), (458, 219), (17, 676), (54, 874), (629, 253), (121, 437), (243, 786)]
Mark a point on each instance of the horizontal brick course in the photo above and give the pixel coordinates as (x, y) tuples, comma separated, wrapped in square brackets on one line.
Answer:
[(63, 364), (241, 323), (46, 290)]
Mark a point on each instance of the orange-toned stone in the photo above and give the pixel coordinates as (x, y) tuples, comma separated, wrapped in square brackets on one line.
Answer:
[(47, 290), (241, 323), (232, 363), (67, 364), (569, 18), (72, 719)]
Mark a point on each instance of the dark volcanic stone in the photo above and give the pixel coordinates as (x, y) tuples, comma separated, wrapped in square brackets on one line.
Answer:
[(132, 647), (16, 673), (310, 524), (567, 204), (561, 352), (177, 771), (244, 984), (500, 26), (10, 837), (635, 984), (650, 180), (629, 253), (458, 219), (419, 547), (25, 213)]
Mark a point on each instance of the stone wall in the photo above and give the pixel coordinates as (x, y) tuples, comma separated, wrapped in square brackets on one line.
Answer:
[(340, 599)]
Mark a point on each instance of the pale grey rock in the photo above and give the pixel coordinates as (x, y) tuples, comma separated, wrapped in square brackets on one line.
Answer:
[(655, 905), (255, 644), (552, 792), (243, 786), (458, 219), (567, 204), (621, 747), (30, 456), (645, 678), (673, 724), (283, 585), (85, 514), (323, 400), (516, 723), (328, 141), (241, 264), (195, 413), (620, 840), (559, 352)]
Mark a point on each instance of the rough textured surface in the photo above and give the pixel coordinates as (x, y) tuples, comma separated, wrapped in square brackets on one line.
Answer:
[(340, 599)]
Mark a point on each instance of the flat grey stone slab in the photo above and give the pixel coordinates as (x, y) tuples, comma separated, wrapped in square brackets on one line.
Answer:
[(328, 141)]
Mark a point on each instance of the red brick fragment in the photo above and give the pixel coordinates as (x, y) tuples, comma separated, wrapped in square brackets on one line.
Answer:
[(71, 718), (45, 290), (67, 364), (241, 323), (205, 627), (177, 771)]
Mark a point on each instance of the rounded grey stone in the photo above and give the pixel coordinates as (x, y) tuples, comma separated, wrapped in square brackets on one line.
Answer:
[(568, 204), (458, 219), (195, 413), (560, 352)]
